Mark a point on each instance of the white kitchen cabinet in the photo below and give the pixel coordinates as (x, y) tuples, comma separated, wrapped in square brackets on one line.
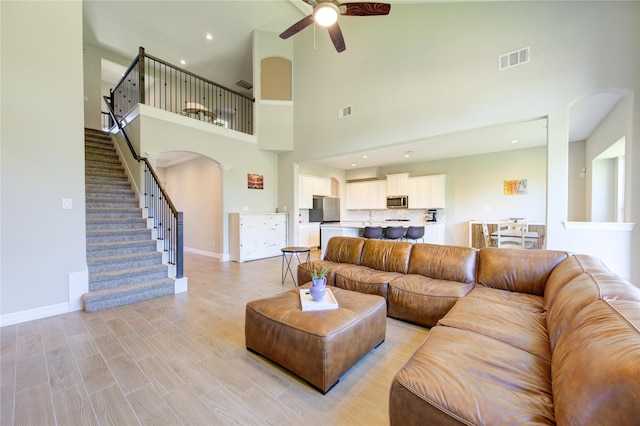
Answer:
[(398, 184), (427, 192), (309, 186), (256, 235), (321, 186), (305, 192), (434, 234), (368, 195), (309, 234)]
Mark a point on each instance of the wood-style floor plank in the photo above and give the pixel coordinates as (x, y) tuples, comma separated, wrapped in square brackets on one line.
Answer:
[(112, 408), (181, 359)]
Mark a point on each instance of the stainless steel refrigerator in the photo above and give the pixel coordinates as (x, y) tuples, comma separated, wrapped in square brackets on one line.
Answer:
[(325, 209)]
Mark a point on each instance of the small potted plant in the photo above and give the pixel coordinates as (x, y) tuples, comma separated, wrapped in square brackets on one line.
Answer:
[(318, 283)]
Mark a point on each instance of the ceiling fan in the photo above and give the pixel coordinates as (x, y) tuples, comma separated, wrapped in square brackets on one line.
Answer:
[(326, 12)]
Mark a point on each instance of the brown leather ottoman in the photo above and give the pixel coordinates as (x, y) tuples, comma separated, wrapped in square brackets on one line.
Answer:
[(318, 346)]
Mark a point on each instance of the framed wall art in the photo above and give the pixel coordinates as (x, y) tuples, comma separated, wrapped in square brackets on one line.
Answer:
[(255, 181), (515, 187)]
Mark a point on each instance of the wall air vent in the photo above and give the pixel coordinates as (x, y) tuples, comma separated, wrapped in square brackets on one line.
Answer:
[(344, 111), (244, 84), (511, 59)]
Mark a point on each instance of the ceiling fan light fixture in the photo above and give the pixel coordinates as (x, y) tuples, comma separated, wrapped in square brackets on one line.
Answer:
[(326, 14)]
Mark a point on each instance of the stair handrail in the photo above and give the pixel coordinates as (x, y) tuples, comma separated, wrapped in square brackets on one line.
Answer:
[(178, 231)]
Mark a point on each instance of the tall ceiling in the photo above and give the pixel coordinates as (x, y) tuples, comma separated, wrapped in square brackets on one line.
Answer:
[(177, 31)]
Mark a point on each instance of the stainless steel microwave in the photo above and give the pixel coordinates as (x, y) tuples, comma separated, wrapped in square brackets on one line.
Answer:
[(398, 202)]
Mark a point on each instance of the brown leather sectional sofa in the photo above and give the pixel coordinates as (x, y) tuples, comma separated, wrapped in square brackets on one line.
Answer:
[(518, 336)]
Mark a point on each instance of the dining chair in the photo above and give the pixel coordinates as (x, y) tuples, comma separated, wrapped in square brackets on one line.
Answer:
[(414, 233), (393, 232), (372, 232), (511, 235)]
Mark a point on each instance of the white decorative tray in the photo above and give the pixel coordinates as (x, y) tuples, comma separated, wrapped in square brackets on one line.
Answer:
[(328, 301)]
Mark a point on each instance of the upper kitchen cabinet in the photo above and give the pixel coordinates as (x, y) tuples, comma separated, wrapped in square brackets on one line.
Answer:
[(369, 195), (310, 186), (398, 184), (426, 192)]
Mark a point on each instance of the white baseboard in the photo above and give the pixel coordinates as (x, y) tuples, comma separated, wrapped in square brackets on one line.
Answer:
[(33, 314), (203, 252)]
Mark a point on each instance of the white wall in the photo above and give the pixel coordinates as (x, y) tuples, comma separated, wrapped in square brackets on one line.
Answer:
[(93, 84), (195, 188), (475, 190), (156, 131), (42, 162), (440, 76), (577, 180)]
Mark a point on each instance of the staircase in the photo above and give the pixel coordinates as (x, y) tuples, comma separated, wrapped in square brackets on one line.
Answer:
[(124, 264)]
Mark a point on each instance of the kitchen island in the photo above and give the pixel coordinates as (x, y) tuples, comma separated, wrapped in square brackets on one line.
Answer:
[(433, 231)]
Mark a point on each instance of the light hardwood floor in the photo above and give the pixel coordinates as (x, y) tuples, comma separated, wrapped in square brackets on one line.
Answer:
[(181, 359)]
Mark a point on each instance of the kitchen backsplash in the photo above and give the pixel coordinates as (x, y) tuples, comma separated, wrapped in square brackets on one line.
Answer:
[(378, 215), (383, 215)]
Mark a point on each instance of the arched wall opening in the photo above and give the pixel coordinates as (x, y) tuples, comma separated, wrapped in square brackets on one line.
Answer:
[(194, 184)]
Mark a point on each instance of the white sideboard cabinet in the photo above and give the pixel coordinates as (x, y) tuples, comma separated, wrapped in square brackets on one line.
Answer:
[(256, 235)]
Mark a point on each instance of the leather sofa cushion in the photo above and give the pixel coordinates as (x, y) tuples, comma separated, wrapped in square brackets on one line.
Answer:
[(365, 280), (344, 250), (390, 256), (524, 301), (461, 377), (582, 291), (523, 271), (423, 300), (305, 269), (517, 327), (596, 366), (568, 270), (444, 262)]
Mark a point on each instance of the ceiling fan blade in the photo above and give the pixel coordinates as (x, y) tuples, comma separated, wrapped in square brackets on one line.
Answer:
[(298, 26), (336, 37), (366, 9)]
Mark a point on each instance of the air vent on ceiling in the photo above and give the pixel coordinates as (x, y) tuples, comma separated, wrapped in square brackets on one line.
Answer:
[(512, 59), (244, 84), (344, 111)]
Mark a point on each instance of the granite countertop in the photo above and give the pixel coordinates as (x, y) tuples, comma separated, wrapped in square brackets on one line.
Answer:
[(361, 224)]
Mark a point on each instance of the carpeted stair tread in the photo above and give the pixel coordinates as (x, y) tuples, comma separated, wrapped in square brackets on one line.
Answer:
[(117, 235), (115, 248), (124, 263), (126, 294), (118, 262), (108, 212), (108, 279), (115, 223)]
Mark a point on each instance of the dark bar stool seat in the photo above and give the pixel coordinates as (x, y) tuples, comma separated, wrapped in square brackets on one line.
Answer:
[(414, 233), (372, 232), (393, 232)]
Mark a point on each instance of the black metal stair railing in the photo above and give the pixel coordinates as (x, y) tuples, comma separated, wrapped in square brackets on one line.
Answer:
[(167, 220), (154, 82)]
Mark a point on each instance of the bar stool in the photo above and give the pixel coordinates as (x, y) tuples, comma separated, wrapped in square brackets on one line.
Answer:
[(292, 251), (414, 233), (372, 232), (393, 232)]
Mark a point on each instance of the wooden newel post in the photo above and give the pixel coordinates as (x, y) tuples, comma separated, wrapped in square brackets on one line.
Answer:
[(179, 246), (141, 74)]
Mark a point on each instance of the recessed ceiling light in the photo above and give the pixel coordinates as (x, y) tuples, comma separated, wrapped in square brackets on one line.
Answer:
[(183, 62), (353, 164), (406, 156), (365, 156), (515, 141), (209, 37)]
